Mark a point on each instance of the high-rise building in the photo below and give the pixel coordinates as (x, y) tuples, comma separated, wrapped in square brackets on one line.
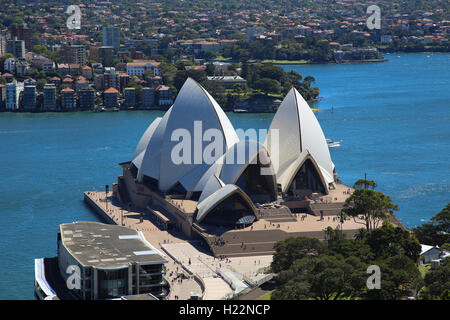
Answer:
[(111, 97), (2, 96), (75, 54), (22, 32), (111, 37), (148, 97), (86, 99), (106, 56), (98, 81), (164, 96), (68, 101), (2, 45), (111, 78), (13, 90), (29, 97), (16, 47), (50, 97), (130, 97)]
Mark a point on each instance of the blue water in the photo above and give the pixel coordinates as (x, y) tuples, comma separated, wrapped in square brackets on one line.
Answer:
[(392, 118)]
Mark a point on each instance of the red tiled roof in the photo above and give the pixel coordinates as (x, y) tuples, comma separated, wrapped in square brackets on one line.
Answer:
[(111, 90)]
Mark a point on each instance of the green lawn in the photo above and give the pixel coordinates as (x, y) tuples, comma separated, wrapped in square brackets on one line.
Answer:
[(220, 58), (266, 296), (285, 61)]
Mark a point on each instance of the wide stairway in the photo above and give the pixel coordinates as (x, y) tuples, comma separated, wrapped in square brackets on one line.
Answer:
[(276, 215), (328, 209)]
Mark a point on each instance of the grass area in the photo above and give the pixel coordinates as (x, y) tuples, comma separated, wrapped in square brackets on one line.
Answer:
[(424, 268), (285, 61), (220, 58), (266, 296)]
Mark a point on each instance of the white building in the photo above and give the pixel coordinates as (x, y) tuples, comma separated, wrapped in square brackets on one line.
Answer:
[(226, 183), (430, 253), (10, 65), (138, 67), (299, 148)]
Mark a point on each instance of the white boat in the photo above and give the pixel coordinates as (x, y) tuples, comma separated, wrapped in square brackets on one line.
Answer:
[(333, 144)]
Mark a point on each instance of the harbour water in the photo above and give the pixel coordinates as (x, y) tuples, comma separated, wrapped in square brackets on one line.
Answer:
[(392, 118)]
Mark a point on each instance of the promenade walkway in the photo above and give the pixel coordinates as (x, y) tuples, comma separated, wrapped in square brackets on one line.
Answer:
[(131, 219)]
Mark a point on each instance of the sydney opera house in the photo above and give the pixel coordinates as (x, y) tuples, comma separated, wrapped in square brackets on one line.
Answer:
[(239, 178)]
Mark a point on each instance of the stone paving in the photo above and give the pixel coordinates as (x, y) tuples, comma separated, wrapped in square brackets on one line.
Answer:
[(201, 262), (155, 236), (207, 266)]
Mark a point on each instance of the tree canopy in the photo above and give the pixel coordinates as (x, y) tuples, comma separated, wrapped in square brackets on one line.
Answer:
[(373, 205), (437, 232)]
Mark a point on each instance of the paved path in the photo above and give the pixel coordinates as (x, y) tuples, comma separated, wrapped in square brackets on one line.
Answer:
[(152, 234)]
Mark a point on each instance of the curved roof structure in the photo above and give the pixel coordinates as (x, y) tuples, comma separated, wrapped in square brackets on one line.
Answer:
[(298, 137), (193, 113), (232, 165), (207, 205), (237, 173)]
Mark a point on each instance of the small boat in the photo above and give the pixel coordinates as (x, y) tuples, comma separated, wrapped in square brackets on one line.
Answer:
[(333, 144)]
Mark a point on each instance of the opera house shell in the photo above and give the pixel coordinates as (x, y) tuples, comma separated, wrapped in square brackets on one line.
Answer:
[(224, 190)]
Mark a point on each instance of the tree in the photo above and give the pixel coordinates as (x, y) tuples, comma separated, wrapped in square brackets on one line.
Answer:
[(399, 278), (40, 84), (321, 277), (350, 248), (210, 69), (168, 72), (245, 70), (437, 282), (442, 219), (291, 249), (364, 183), (437, 232), (268, 85), (294, 77), (371, 204), (388, 241), (361, 234)]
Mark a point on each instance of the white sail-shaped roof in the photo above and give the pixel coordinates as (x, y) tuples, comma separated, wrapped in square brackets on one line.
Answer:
[(239, 156), (151, 157), (298, 135), (228, 168), (193, 112), (193, 104), (143, 143), (206, 205)]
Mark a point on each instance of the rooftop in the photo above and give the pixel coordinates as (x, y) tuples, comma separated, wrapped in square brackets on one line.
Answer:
[(111, 90), (107, 246)]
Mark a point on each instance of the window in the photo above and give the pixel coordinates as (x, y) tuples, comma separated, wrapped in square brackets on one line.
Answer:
[(112, 283)]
